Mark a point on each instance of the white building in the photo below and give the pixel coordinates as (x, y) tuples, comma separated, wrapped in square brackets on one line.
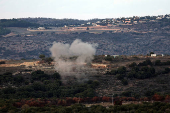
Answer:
[(41, 28), (153, 55), (115, 56)]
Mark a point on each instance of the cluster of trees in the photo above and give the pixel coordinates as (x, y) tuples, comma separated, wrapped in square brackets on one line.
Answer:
[(143, 73), (120, 74), (142, 70), (108, 58), (156, 107), (67, 101), (16, 23), (58, 22), (148, 62), (4, 31), (8, 78), (13, 23), (144, 63), (45, 59), (42, 85), (145, 69), (2, 62), (159, 63)]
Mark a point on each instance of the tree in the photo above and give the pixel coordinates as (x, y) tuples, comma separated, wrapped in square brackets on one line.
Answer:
[(127, 93), (39, 75), (151, 53), (157, 62), (48, 60), (124, 82), (108, 58), (4, 31), (133, 64), (9, 90), (7, 77), (42, 56), (167, 70), (120, 76), (56, 76), (148, 62), (2, 62), (98, 109), (121, 70), (18, 79)]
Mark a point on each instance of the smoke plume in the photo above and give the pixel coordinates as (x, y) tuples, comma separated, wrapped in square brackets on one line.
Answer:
[(72, 60)]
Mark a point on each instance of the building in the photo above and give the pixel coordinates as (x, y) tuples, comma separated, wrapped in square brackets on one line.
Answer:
[(115, 56), (153, 55), (41, 28)]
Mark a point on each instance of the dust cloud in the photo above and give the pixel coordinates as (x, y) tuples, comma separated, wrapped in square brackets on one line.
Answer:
[(73, 60)]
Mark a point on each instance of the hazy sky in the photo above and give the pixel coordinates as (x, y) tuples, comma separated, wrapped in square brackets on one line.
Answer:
[(82, 9)]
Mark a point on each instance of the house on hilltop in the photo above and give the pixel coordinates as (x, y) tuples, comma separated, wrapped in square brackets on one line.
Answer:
[(41, 28)]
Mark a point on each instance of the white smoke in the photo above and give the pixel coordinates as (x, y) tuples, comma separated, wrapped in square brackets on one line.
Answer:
[(81, 53)]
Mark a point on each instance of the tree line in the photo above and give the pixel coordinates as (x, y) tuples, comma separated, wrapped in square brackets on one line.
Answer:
[(4, 31), (143, 70), (16, 23), (42, 85), (12, 107)]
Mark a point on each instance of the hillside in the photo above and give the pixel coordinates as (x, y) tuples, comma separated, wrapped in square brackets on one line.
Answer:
[(121, 36), (128, 43), (149, 77)]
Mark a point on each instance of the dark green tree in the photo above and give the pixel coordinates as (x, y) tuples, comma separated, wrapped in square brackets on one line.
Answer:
[(151, 53), (157, 62), (124, 82), (56, 76), (42, 56), (121, 70)]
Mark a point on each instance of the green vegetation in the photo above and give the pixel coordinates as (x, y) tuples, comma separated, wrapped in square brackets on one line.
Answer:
[(42, 56), (16, 23), (12, 106), (45, 59), (120, 70), (13, 23), (4, 31), (41, 85), (41, 92), (146, 63), (159, 63), (143, 73), (143, 70), (2, 62), (109, 58)]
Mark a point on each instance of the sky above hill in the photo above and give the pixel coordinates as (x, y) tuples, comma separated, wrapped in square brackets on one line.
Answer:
[(82, 9)]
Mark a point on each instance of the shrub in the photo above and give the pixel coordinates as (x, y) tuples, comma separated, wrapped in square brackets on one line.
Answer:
[(167, 70), (124, 82), (108, 58), (2, 62), (133, 64), (121, 70), (127, 94), (119, 76), (113, 72), (157, 62), (56, 76), (145, 63)]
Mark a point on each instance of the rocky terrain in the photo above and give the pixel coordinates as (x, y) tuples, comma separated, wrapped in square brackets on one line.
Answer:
[(128, 43)]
